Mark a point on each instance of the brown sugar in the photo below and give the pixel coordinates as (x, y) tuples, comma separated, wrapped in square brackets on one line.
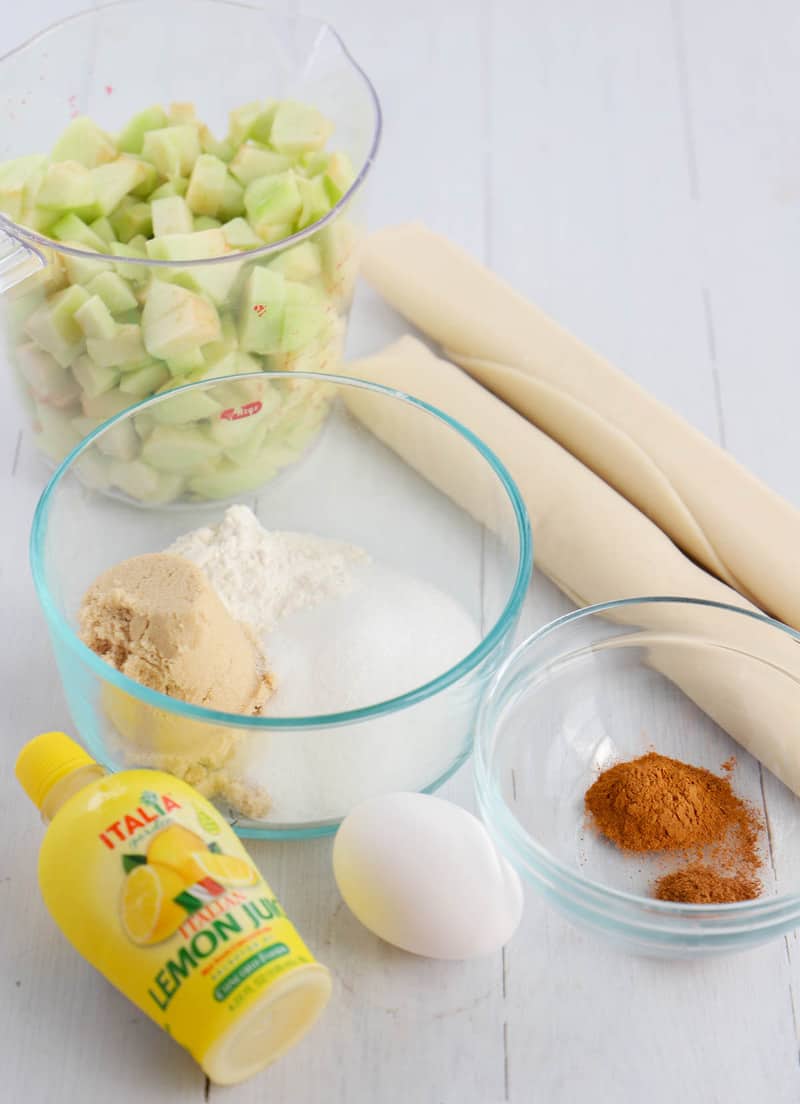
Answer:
[(658, 804)]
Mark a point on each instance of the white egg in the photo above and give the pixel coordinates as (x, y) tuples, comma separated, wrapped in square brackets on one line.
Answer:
[(423, 874)]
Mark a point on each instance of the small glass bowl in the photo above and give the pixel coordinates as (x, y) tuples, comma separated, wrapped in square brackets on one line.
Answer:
[(334, 479), (607, 684)]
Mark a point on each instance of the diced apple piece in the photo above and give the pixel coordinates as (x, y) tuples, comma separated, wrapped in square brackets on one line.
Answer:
[(105, 406), (206, 222), (253, 160), (182, 111), (245, 452), (142, 482), (137, 274), (71, 228), (173, 149), (84, 426), (179, 450), (144, 380), (53, 327), (218, 147), (94, 318), (272, 201), (193, 361), (177, 186), (230, 432), (231, 479), (93, 469), (114, 291), (240, 235), (206, 189), (121, 442), (14, 176), (298, 129), (93, 379), (67, 186), (215, 280), (103, 228), (339, 247), (131, 137), (262, 311), (131, 218), (251, 120), (84, 141), (124, 348), (171, 215), (175, 321), (338, 176), (232, 199), (315, 163), (301, 262), (116, 179), (149, 181), (185, 408), (315, 201), (144, 423), (48, 380), (57, 436), (305, 316), (81, 269)]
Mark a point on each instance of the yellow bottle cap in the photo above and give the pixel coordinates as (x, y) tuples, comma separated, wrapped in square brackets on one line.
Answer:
[(45, 760)]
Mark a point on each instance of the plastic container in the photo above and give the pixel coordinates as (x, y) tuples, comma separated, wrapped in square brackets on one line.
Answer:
[(348, 486), (151, 886), (608, 684), (108, 64)]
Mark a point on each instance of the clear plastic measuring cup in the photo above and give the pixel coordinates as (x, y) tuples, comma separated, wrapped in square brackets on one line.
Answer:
[(108, 64)]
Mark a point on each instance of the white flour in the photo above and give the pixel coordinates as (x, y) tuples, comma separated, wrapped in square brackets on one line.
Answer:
[(339, 633), (262, 576)]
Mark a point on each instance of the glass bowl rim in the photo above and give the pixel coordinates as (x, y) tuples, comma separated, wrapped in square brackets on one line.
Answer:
[(33, 239), (525, 850), (58, 624)]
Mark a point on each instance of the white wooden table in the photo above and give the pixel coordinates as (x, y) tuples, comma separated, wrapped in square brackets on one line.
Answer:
[(634, 167)]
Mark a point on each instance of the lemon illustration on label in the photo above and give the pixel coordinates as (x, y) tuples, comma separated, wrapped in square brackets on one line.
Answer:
[(226, 869), (174, 847), (149, 913)]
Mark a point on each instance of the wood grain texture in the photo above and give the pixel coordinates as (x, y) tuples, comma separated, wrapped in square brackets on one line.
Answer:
[(634, 168)]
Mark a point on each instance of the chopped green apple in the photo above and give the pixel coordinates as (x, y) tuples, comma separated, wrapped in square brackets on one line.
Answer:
[(252, 120), (14, 176), (185, 408), (93, 379), (338, 176), (95, 319), (171, 215), (182, 111), (190, 362), (297, 129), (301, 262), (48, 380), (177, 186), (81, 268), (121, 442), (137, 274), (176, 320), (305, 316), (124, 348), (232, 199), (240, 235), (103, 228), (262, 311), (84, 141), (315, 201), (115, 180), (179, 450), (219, 147), (206, 190), (253, 160), (72, 228), (131, 137), (131, 218), (173, 149), (214, 280), (144, 380), (114, 291), (55, 436), (272, 201), (206, 222), (67, 186), (53, 327), (142, 482), (104, 406)]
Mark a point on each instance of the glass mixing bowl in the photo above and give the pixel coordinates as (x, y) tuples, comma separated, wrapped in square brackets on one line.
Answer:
[(282, 305), (607, 684), (344, 484)]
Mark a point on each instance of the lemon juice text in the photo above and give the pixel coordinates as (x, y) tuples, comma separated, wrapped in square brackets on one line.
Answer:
[(150, 884)]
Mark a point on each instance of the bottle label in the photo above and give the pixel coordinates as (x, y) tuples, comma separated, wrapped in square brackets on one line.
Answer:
[(167, 904)]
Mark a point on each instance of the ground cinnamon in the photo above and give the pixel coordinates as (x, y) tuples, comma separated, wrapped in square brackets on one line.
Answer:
[(658, 804)]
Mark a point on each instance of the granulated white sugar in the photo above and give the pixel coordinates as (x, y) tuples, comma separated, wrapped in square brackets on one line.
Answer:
[(339, 632)]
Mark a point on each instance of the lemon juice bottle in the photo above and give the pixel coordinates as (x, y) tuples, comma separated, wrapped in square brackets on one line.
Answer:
[(149, 883)]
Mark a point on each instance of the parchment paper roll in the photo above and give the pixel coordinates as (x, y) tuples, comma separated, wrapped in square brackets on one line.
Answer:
[(597, 547), (712, 507)]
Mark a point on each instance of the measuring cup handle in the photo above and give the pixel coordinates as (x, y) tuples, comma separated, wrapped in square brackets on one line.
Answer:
[(17, 261)]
